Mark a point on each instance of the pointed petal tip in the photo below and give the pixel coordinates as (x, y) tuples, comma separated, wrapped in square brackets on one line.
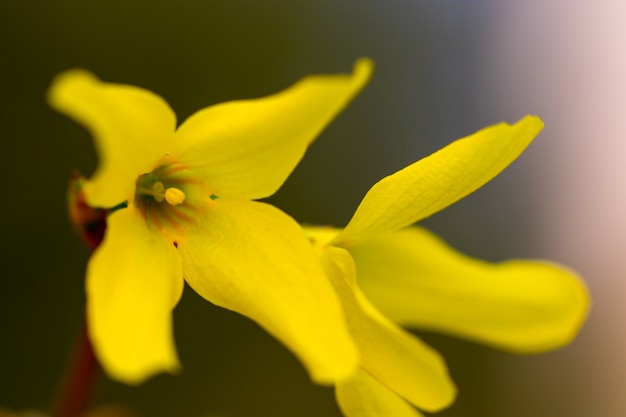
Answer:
[(533, 123), (431, 184), (363, 70)]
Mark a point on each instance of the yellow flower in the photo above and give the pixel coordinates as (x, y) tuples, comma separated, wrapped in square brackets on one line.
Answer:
[(188, 213), (408, 276)]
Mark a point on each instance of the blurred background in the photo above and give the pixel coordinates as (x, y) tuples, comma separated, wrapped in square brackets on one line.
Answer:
[(444, 69)]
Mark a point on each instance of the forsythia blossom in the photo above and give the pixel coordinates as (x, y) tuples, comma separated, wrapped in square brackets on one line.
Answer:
[(180, 207), (379, 265)]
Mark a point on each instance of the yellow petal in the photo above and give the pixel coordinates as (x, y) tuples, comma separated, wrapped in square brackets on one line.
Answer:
[(435, 182), (364, 396), (522, 306), (248, 148), (131, 128), (134, 280), (252, 258), (394, 357)]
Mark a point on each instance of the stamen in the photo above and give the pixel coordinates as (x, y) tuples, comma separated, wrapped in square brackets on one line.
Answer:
[(174, 196)]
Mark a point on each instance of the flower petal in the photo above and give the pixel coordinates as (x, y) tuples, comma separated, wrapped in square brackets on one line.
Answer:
[(131, 129), (364, 396), (437, 181), (252, 258), (134, 280), (394, 357), (248, 148), (522, 306)]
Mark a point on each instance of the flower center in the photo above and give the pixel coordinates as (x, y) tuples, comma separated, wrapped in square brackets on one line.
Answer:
[(165, 197)]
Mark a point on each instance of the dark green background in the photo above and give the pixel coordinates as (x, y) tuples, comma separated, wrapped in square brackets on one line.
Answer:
[(426, 92)]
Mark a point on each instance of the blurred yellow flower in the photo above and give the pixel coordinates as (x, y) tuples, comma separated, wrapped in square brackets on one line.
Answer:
[(188, 213), (408, 276)]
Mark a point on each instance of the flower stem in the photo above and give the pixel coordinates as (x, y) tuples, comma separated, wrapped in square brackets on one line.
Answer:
[(77, 385), (78, 382)]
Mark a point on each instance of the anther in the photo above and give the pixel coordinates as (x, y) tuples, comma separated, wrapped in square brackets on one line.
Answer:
[(174, 196)]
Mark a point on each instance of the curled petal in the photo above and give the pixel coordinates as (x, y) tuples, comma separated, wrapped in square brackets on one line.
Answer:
[(364, 396), (131, 128), (252, 258), (134, 280), (414, 278), (392, 356), (247, 149), (435, 182)]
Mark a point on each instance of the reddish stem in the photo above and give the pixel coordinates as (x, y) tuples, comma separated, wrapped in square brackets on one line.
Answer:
[(77, 384)]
